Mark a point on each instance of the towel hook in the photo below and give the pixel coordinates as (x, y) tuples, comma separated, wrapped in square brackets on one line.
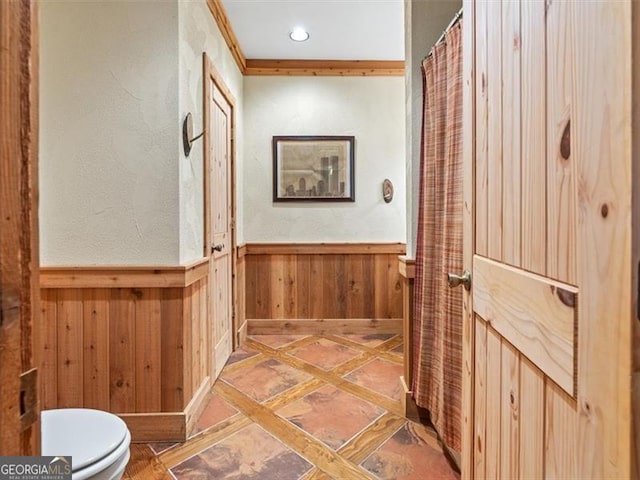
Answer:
[(187, 134)]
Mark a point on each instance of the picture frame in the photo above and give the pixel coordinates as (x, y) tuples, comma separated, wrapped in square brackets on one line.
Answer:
[(313, 168)]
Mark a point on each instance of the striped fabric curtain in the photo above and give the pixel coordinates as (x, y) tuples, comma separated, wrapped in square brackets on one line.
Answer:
[(437, 331)]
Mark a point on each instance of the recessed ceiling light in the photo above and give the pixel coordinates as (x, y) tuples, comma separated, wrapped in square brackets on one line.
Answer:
[(299, 34)]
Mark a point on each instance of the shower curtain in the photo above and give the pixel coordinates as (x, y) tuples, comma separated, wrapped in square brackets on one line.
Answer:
[(437, 331)]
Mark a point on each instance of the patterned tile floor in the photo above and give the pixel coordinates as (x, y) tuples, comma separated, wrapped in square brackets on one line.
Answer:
[(309, 408)]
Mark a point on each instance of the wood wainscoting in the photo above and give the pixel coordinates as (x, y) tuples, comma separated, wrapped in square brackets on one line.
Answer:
[(128, 340), (322, 288)]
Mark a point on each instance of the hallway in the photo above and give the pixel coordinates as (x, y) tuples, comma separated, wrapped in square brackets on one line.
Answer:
[(305, 407)]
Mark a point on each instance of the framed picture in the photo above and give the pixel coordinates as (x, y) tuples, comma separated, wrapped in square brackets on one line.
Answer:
[(313, 169)]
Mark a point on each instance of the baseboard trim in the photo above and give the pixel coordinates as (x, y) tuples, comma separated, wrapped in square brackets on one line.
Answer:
[(156, 427), (321, 326), (242, 332), (171, 426), (409, 407), (197, 405)]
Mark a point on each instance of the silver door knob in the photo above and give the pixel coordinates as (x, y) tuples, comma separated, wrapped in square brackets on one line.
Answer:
[(464, 279), (217, 248)]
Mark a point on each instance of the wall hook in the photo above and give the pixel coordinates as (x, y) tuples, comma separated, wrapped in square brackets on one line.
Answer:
[(187, 134), (387, 190)]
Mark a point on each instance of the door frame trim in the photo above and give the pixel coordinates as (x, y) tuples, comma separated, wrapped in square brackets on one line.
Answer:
[(468, 217), (20, 335), (210, 72), (635, 235)]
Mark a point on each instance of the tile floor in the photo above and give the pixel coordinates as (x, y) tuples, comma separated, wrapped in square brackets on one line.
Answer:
[(311, 408)]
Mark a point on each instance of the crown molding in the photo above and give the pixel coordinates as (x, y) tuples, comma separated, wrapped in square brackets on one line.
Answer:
[(342, 68), (255, 67), (221, 19)]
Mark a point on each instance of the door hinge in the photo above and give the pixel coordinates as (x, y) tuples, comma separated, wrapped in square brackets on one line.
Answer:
[(28, 398)]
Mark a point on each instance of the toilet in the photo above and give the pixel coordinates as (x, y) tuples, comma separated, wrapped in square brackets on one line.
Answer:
[(97, 441)]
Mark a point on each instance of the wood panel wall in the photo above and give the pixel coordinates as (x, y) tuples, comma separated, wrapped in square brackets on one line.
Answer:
[(128, 349), (311, 288)]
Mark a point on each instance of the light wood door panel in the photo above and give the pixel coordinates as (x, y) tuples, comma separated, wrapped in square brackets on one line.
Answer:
[(532, 124), (560, 434), (479, 403), (222, 313), (220, 221), (547, 339), (561, 164), (494, 404), (601, 126), (481, 114), (510, 410), (494, 86), (531, 421), (511, 133), (534, 313)]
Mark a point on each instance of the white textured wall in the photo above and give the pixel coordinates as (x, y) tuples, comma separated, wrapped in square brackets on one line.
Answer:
[(424, 22), (371, 109), (108, 133), (198, 33), (117, 79)]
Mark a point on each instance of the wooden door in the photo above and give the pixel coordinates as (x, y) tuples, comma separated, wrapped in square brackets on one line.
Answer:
[(221, 235), (19, 291), (547, 354)]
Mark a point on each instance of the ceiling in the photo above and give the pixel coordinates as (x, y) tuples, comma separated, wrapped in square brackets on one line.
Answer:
[(338, 29)]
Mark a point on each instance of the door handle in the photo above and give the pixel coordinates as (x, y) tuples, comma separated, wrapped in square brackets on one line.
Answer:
[(464, 279), (217, 248)]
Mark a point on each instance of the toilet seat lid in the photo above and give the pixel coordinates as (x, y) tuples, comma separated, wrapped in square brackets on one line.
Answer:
[(86, 435)]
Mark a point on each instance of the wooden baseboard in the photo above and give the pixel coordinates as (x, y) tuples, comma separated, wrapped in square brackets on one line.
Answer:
[(321, 326), (197, 405), (409, 407), (242, 332), (156, 427), (168, 427)]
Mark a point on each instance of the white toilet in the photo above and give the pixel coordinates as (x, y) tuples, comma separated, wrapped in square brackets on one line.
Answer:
[(97, 441)]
